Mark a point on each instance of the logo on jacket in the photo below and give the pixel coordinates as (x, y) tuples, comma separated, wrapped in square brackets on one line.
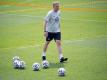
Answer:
[(56, 19)]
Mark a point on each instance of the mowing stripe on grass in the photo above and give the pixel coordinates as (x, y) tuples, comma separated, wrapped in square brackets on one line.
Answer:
[(21, 15), (37, 6), (84, 9), (47, 5), (42, 17), (24, 10), (63, 9), (65, 42), (85, 3)]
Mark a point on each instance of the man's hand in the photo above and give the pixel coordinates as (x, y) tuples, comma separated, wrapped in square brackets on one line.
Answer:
[(46, 34)]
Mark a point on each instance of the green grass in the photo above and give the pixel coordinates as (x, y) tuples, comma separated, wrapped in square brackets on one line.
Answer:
[(84, 41)]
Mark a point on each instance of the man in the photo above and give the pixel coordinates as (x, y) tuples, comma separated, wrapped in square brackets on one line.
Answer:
[(52, 31)]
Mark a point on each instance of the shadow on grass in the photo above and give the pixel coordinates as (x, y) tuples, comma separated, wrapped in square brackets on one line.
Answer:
[(56, 65), (20, 68)]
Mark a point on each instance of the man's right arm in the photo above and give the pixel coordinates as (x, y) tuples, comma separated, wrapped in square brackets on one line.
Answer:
[(45, 32), (48, 16)]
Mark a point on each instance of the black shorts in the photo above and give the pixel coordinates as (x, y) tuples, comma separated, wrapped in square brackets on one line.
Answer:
[(55, 36)]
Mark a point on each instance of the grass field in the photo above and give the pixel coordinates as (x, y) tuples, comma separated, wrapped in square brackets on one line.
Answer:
[(84, 39)]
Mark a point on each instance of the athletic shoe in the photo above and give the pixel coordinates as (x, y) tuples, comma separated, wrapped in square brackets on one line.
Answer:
[(63, 59)]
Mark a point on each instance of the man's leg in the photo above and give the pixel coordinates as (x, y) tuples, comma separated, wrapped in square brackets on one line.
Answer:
[(44, 50), (59, 47), (58, 43)]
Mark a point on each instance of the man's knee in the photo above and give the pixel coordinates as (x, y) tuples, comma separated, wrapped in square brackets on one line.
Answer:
[(58, 42), (47, 42)]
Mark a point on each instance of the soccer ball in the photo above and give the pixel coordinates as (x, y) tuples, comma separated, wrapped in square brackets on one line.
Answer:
[(36, 66), (45, 64), (61, 72), (16, 58), (16, 63), (21, 64)]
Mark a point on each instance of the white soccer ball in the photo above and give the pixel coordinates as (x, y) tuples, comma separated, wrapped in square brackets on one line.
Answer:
[(16, 63), (16, 58), (36, 66), (21, 64), (45, 64), (61, 72)]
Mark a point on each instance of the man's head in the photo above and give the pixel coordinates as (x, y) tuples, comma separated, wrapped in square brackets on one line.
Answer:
[(56, 6)]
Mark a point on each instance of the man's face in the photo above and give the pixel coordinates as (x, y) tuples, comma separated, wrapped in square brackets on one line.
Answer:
[(56, 7)]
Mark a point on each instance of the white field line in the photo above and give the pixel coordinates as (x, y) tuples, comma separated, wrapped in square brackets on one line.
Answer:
[(22, 15), (36, 46), (65, 42), (88, 20), (22, 47)]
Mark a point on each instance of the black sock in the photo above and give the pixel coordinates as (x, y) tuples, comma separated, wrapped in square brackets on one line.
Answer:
[(43, 58)]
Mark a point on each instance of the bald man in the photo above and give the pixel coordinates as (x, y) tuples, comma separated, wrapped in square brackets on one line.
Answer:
[(52, 31)]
